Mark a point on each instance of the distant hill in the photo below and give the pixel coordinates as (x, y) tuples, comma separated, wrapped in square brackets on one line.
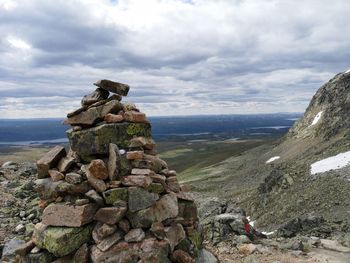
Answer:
[(303, 173)]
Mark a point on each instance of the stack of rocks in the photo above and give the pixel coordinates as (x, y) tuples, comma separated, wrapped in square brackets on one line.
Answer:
[(110, 198)]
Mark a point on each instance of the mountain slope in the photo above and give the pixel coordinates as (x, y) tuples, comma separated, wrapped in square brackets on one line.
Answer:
[(281, 189)]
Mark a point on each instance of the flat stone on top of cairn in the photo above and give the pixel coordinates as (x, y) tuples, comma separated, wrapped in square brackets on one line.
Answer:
[(112, 86), (110, 198)]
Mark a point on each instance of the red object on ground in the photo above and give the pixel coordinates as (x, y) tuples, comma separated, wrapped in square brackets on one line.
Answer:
[(247, 228)]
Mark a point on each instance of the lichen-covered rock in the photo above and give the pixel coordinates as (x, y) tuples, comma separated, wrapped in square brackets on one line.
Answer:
[(96, 140), (116, 194), (61, 241), (166, 207), (140, 198)]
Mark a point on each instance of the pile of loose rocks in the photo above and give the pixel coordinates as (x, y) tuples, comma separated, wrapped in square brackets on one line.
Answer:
[(109, 198)]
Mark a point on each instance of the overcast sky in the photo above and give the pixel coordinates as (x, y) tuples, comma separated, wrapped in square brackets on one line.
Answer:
[(179, 57)]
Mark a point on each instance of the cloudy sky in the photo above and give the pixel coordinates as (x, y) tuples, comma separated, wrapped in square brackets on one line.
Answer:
[(179, 57)]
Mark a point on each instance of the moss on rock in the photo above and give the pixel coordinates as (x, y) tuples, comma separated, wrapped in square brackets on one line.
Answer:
[(62, 241)]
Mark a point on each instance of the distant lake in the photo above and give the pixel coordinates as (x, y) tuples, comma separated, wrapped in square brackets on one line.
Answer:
[(213, 127)]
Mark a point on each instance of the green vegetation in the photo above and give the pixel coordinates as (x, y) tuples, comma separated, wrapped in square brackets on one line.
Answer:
[(188, 158)]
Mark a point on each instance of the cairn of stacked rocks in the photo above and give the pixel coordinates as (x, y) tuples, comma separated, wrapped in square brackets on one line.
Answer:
[(109, 198)]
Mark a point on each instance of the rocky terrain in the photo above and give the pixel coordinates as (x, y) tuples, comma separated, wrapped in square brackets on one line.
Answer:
[(295, 190), (297, 186), (109, 198)]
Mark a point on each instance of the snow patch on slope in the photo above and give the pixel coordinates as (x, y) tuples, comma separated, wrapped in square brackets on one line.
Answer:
[(332, 163), (273, 159), (348, 71), (317, 118)]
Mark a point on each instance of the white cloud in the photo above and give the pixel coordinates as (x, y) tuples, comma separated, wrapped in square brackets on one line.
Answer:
[(180, 57), (18, 43)]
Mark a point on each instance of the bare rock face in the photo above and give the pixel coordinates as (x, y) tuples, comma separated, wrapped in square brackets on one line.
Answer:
[(111, 198)]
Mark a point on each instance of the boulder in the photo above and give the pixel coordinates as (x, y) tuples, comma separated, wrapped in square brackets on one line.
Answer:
[(105, 230), (65, 163), (119, 253), (96, 140), (158, 230), (49, 160), (110, 215), (112, 86), (95, 197), (156, 188), (135, 116), (134, 155), (98, 184), (113, 162), (137, 171), (124, 225), (139, 198), (180, 256), (94, 114), (135, 235), (82, 255), (166, 207), (61, 241), (56, 175), (137, 180), (42, 256), (114, 195), (68, 215), (145, 143), (10, 249), (109, 241), (175, 234), (188, 210), (98, 169), (98, 95), (73, 178), (173, 184), (205, 256), (113, 118)]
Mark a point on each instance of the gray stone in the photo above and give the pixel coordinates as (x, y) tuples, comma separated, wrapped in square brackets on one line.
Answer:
[(93, 114), (166, 207), (73, 178), (49, 160), (61, 241), (110, 215), (97, 95), (135, 235), (114, 195), (205, 256), (96, 140), (95, 197), (10, 248), (140, 198), (65, 163), (112, 86), (113, 162), (40, 257), (109, 241), (175, 234)]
